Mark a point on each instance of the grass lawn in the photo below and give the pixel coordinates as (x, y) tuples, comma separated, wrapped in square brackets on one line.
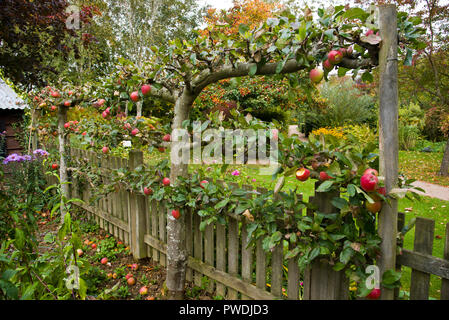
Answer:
[(422, 166)]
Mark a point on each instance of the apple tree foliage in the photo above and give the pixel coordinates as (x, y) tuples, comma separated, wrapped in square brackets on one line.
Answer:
[(286, 44)]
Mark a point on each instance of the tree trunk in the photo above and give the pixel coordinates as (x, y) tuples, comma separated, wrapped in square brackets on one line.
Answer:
[(176, 247), (444, 169), (62, 119)]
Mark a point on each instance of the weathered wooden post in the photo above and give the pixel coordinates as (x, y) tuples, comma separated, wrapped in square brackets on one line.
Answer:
[(137, 212), (388, 136), (62, 119)]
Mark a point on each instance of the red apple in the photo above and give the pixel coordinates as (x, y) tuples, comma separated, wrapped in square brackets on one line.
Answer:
[(161, 149), (327, 65), (84, 133), (343, 51), (324, 176), (129, 275), (334, 57), (135, 131), (203, 183), (105, 150), (368, 182), (54, 166), (53, 108), (131, 281), (93, 246), (143, 291), (146, 88), (70, 92), (166, 181), (147, 191), (104, 114), (302, 174), (55, 94), (67, 103), (101, 102), (175, 213), (104, 261), (166, 138), (66, 125), (316, 75), (134, 96), (79, 252), (382, 191), (371, 171), (374, 294), (134, 266)]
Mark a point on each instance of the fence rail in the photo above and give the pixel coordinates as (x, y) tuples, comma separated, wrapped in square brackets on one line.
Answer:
[(220, 253)]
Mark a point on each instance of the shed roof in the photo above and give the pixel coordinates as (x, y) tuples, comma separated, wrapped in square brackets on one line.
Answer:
[(8, 98)]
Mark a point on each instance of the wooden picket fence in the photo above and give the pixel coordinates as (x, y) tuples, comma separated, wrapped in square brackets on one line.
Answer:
[(220, 253)]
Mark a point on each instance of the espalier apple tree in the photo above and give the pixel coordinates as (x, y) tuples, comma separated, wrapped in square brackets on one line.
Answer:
[(309, 45), (280, 45)]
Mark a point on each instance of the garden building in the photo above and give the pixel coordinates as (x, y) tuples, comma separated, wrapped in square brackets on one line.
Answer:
[(11, 113)]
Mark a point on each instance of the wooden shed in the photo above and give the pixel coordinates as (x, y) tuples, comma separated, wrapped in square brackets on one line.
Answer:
[(11, 112)]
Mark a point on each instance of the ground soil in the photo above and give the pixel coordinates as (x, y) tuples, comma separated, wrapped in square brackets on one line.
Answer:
[(154, 273)]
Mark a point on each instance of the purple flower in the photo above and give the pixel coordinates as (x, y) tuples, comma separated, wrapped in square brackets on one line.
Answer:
[(235, 173), (253, 180), (40, 152)]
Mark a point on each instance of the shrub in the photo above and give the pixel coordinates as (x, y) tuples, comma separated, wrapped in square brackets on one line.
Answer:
[(347, 105), (409, 136), (432, 124), (361, 134), (411, 115)]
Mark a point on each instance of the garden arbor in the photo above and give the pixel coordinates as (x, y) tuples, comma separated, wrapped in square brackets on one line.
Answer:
[(281, 45)]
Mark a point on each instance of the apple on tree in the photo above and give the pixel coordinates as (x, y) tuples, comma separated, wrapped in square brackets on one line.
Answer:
[(134, 96), (368, 182), (334, 57), (316, 75), (302, 174), (146, 88)]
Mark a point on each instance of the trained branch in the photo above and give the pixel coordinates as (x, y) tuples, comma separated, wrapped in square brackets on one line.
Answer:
[(207, 77)]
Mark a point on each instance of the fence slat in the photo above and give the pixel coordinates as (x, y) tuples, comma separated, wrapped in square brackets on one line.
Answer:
[(445, 282), (209, 252), (233, 254), (189, 241), (247, 259), (162, 230), (261, 269), (420, 281), (154, 229), (197, 247), (293, 278), (401, 223), (276, 270), (221, 256)]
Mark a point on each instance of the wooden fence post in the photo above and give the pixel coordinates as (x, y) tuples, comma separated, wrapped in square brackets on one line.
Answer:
[(388, 136), (137, 212)]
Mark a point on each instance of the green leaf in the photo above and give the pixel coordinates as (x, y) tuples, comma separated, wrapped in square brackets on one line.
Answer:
[(367, 77), (325, 186), (346, 255), (252, 70), (408, 57), (243, 28), (355, 13), (342, 71)]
